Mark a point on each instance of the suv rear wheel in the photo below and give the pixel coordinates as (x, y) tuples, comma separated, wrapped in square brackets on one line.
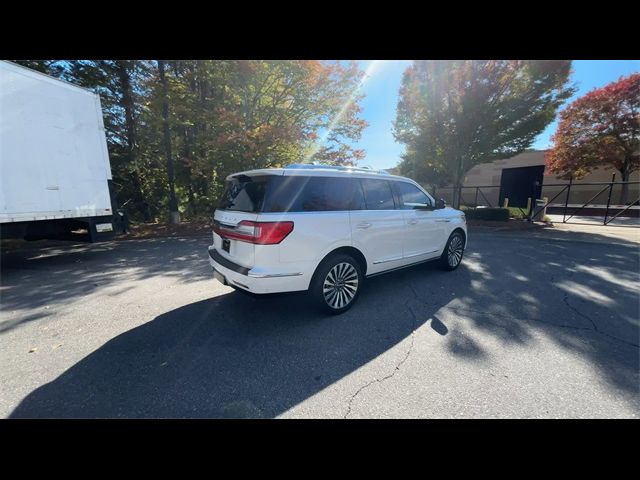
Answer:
[(336, 284)]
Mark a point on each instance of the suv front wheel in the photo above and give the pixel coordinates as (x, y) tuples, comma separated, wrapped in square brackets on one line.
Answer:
[(453, 252), (336, 284)]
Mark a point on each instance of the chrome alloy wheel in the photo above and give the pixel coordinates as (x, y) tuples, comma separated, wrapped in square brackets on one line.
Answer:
[(454, 252), (340, 285)]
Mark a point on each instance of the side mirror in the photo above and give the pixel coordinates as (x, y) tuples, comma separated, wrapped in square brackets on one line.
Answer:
[(440, 204)]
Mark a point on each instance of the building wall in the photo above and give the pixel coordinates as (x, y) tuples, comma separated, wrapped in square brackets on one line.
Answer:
[(489, 174)]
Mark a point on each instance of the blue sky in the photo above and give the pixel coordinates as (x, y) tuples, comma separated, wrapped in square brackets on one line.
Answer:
[(383, 82)]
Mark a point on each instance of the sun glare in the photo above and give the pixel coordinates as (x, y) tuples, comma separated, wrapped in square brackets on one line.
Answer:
[(374, 67)]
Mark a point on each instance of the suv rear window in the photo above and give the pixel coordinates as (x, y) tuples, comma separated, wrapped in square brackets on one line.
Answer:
[(245, 193), (275, 193)]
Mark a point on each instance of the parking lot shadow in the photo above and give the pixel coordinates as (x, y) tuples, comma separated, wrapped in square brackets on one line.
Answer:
[(239, 356), (232, 356), (49, 273)]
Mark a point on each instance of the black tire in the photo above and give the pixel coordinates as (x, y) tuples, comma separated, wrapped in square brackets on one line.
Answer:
[(453, 252), (349, 276)]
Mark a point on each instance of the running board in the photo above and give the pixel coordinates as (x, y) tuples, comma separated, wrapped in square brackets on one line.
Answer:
[(403, 266)]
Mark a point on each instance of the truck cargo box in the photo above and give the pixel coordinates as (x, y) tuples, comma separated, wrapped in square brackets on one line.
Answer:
[(54, 162)]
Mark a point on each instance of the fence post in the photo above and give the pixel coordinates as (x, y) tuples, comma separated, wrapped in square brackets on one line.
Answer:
[(566, 202), (606, 213), (475, 205)]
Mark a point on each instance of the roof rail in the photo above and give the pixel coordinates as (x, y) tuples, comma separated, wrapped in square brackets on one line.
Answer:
[(317, 166)]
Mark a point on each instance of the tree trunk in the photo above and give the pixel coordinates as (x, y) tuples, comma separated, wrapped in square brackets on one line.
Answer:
[(457, 183), (191, 199), (191, 210), (173, 201), (141, 204), (457, 194), (131, 135)]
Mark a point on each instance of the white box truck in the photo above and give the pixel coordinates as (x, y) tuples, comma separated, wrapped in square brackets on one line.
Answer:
[(54, 166)]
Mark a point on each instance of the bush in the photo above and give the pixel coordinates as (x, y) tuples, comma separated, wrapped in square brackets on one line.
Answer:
[(517, 212), (497, 214)]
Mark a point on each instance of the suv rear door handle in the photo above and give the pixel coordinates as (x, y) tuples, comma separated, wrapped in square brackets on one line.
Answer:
[(413, 221), (363, 225)]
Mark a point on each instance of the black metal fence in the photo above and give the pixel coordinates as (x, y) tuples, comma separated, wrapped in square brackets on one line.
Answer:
[(558, 199), (479, 194)]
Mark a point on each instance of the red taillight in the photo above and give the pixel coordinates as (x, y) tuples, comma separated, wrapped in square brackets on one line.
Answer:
[(270, 233), (261, 233)]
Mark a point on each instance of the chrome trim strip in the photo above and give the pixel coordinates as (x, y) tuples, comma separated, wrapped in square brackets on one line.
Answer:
[(408, 256), (390, 260), (273, 275), (419, 254)]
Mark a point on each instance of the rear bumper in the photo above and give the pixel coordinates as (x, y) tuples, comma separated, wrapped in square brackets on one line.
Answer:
[(257, 280)]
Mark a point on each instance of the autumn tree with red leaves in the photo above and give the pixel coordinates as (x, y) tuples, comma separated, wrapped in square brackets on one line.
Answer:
[(600, 129)]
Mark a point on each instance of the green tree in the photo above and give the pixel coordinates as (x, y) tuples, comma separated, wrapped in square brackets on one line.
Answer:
[(166, 136), (453, 115), (228, 116)]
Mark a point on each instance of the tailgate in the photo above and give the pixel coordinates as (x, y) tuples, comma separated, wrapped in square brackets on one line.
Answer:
[(242, 253)]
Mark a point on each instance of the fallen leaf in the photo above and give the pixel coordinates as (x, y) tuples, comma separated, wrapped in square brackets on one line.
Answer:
[(33, 349)]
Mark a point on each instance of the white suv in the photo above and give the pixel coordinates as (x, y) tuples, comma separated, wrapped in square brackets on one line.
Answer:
[(325, 229)]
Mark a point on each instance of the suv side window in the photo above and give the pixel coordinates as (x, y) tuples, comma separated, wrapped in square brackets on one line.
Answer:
[(411, 196), (313, 194), (328, 194), (377, 194)]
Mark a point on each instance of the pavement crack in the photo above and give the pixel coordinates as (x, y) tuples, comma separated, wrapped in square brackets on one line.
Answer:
[(539, 320), (399, 364), (565, 300)]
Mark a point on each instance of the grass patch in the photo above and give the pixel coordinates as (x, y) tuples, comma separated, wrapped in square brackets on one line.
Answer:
[(515, 212)]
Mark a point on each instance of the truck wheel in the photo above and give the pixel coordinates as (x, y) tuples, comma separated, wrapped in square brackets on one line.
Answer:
[(336, 284)]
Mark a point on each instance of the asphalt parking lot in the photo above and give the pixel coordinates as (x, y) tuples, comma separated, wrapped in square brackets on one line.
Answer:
[(529, 326)]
